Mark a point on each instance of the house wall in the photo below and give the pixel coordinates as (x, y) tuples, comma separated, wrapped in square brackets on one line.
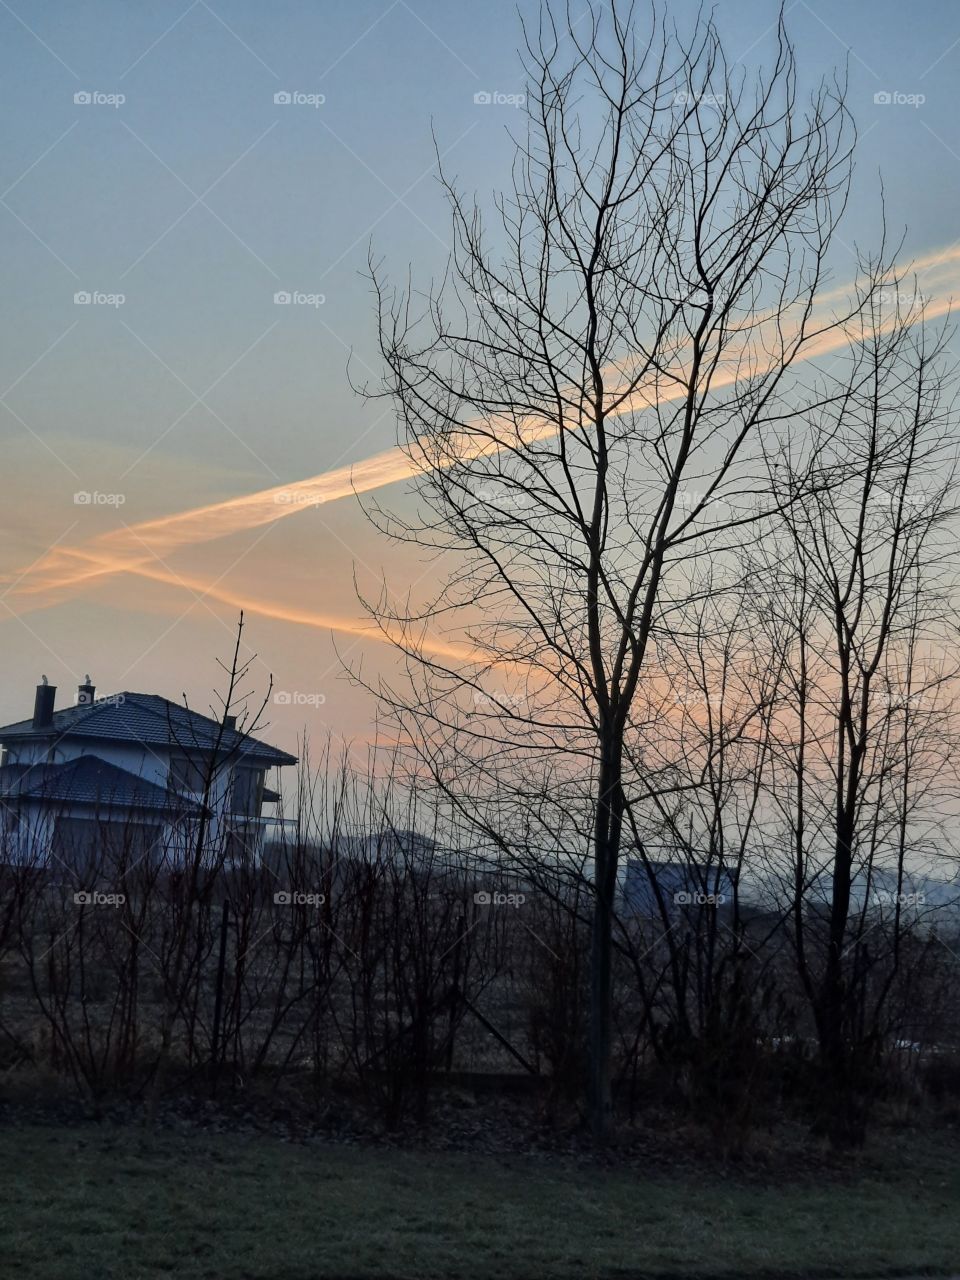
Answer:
[(30, 826), (149, 763), (31, 841)]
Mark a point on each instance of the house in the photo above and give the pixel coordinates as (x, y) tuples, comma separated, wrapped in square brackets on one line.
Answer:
[(132, 776)]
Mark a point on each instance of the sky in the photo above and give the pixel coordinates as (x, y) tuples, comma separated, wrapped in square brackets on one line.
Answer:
[(149, 166)]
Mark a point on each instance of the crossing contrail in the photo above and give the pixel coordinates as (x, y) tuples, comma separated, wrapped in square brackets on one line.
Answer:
[(142, 548)]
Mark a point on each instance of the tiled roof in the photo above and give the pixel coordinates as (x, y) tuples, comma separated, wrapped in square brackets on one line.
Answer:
[(147, 718), (89, 780)]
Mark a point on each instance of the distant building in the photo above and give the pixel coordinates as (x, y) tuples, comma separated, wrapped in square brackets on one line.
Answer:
[(125, 776), (678, 886)]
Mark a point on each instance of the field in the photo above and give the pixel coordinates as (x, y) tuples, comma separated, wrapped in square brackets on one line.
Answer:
[(99, 1202)]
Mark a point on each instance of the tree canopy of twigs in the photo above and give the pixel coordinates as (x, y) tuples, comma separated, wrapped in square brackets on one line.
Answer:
[(615, 392)]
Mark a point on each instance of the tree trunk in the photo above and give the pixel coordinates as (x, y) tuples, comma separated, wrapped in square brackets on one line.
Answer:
[(606, 852)]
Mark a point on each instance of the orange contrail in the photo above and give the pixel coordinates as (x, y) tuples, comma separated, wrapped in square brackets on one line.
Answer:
[(132, 548), (304, 617), (127, 549)]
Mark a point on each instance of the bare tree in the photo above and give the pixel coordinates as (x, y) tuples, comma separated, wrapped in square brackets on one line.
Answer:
[(584, 397), (212, 761), (859, 600)]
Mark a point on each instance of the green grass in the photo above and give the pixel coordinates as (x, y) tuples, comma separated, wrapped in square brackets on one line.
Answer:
[(93, 1204)]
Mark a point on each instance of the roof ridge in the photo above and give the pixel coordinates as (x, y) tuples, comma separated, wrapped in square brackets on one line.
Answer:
[(131, 716)]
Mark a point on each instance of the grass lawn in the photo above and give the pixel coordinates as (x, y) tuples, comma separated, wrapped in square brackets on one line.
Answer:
[(90, 1203)]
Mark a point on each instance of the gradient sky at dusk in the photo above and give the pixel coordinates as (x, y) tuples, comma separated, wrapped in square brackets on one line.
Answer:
[(198, 199)]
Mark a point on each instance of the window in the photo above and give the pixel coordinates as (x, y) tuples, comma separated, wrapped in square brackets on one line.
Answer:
[(186, 775), (247, 792)]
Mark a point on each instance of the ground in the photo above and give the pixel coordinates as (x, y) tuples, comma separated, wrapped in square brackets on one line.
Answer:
[(98, 1202)]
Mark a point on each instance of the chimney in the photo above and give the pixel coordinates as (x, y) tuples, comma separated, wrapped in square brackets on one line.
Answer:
[(43, 705), (85, 693), (230, 722)]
